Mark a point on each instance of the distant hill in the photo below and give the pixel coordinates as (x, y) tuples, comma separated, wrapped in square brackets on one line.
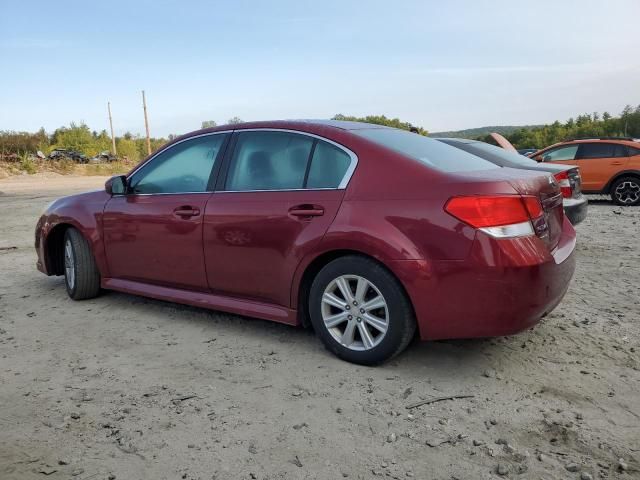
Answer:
[(481, 131)]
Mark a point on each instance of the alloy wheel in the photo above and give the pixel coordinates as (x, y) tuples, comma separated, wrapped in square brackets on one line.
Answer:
[(69, 264), (628, 192), (355, 312)]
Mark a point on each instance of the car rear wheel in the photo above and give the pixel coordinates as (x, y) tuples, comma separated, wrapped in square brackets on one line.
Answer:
[(360, 311), (81, 275), (626, 191)]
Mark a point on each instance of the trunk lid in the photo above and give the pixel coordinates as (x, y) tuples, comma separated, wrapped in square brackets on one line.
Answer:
[(547, 190)]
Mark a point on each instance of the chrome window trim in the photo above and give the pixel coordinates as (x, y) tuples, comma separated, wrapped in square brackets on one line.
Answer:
[(208, 192), (341, 186), (279, 190)]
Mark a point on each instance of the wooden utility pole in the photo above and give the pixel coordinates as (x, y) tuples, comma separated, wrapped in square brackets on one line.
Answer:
[(146, 123), (113, 138)]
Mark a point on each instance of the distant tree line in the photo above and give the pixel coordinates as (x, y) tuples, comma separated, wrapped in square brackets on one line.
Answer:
[(76, 137), (627, 124), (81, 138), (213, 123)]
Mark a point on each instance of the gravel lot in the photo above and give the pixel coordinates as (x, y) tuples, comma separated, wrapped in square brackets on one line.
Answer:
[(129, 388)]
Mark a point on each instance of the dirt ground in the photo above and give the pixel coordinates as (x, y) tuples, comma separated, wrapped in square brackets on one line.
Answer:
[(130, 388)]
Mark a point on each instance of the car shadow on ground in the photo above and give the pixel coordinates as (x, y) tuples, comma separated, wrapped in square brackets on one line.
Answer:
[(443, 355)]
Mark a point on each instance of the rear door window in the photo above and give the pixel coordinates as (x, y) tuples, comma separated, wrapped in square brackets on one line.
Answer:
[(562, 153), (265, 160), (620, 150), (596, 150)]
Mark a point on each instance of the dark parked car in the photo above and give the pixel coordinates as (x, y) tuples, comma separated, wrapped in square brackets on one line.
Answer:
[(64, 154), (365, 232), (568, 176), (102, 157)]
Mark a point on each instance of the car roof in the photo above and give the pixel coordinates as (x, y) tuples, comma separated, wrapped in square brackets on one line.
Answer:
[(293, 124), (317, 127), (457, 140), (602, 140), (623, 141), (342, 124)]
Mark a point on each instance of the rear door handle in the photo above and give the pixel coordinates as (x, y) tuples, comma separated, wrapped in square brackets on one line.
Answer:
[(616, 162), (306, 211), (186, 211)]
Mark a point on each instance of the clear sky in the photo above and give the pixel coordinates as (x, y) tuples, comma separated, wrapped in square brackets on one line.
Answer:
[(438, 64)]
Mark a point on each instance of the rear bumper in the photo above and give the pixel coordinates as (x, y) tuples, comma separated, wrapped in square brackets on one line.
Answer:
[(504, 287), (575, 209)]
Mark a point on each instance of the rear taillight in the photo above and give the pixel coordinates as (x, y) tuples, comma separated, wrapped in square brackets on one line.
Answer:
[(498, 216), (565, 185)]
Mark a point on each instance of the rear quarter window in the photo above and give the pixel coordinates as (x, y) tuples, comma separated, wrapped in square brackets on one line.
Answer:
[(633, 151), (430, 152), (329, 165)]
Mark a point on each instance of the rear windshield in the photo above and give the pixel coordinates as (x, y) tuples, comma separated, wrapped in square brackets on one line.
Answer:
[(494, 154), (431, 152)]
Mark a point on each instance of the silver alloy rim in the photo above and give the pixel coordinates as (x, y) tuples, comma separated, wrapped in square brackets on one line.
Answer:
[(628, 192), (69, 265), (355, 312)]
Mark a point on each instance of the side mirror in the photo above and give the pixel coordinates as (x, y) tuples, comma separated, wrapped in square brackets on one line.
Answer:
[(116, 185)]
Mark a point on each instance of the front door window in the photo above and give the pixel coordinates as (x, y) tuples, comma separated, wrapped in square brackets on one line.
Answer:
[(183, 168)]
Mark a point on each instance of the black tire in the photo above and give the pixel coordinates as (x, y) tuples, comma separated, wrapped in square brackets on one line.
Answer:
[(401, 323), (86, 281), (625, 191)]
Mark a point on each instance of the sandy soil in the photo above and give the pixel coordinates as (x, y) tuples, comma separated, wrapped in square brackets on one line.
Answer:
[(124, 387)]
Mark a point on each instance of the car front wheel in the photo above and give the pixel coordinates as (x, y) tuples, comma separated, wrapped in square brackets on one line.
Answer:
[(360, 311), (81, 274), (626, 191)]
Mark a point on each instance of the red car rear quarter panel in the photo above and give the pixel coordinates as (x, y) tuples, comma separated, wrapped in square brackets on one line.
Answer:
[(461, 282), (84, 212), (504, 287)]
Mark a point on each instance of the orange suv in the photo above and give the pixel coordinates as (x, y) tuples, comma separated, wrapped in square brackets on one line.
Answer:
[(608, 165)]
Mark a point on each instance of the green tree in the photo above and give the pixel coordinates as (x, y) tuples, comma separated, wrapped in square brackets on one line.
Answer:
[(234, 120), (209, 124), (127, 148), (586, 125), (75, 137)]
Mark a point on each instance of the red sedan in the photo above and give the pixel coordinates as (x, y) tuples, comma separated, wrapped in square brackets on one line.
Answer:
[(364, 232)]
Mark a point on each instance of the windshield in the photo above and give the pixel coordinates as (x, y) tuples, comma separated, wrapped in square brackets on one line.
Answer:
[(494, 154), (431, 152)]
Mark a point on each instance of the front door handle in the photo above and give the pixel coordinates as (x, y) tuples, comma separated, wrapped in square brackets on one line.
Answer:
[(186, 211), (306, 211), (616, 162)]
